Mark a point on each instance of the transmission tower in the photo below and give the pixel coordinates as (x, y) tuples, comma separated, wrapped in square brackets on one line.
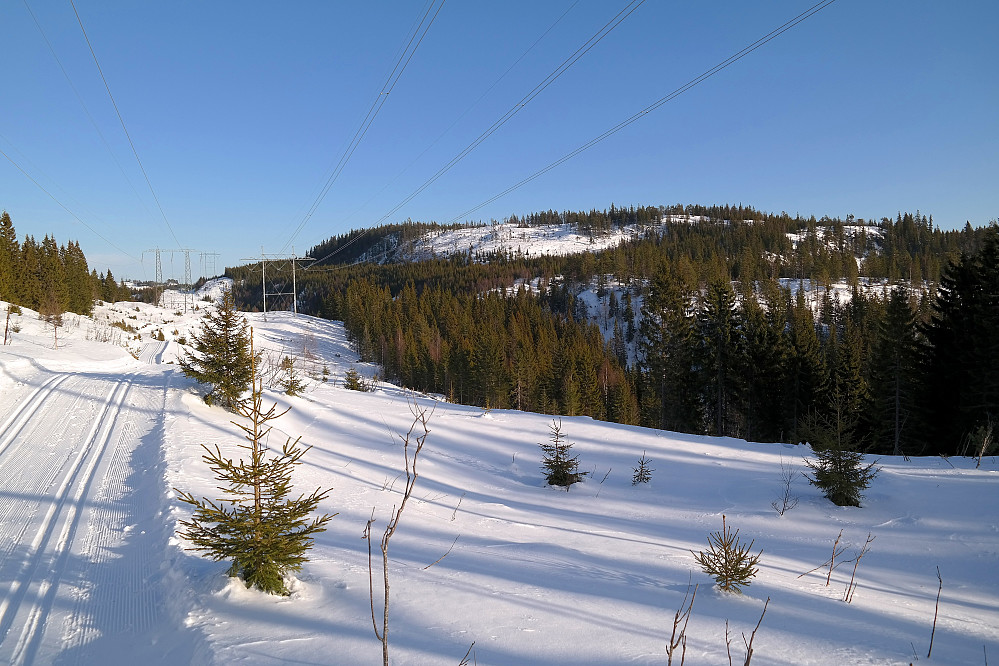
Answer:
[(159, 269), (294, 259), (208, 267)]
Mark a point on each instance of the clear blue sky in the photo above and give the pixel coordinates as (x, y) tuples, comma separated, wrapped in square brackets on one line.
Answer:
[(239, 110)]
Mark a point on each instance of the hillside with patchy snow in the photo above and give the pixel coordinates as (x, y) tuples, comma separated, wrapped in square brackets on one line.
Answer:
[(93, 441)]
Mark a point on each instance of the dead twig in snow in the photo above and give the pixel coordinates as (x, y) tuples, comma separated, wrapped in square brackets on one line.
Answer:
[(935, 612), (851, 587), (680, 617), (444, 555)]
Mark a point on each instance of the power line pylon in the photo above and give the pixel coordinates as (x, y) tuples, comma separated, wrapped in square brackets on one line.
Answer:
[(294, 259), (208, 265), (159, 269)]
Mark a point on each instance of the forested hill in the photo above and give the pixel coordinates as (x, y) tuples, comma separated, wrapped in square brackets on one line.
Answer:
[(749, 243), (708, 320)]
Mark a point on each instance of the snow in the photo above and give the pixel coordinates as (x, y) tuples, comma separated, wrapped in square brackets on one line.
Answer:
[(93, 440), (537, 241)]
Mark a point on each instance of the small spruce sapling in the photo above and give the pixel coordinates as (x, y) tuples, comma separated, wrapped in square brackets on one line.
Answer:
[(731, 564), (290, 382), (643, 473), (256, 525), (560, 465), (838, 470), (353, 381)]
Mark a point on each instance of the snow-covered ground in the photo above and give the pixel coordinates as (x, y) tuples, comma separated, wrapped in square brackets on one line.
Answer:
[(93, 440)]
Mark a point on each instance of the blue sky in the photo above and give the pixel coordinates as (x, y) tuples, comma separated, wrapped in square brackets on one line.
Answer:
[(239, 110)]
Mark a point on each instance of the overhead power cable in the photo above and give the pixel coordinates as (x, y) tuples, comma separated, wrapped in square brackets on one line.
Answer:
[(393, 78), (63, 206), (537, 90), (467, 109), (655, 105), (524, 101), (83, 105), (124, 129)]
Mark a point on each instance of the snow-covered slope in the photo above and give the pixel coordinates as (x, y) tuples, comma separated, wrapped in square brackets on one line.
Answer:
[(485, 552), (550, 240)]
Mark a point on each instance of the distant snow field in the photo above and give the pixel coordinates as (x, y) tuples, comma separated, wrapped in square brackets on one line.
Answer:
[(96, 434)]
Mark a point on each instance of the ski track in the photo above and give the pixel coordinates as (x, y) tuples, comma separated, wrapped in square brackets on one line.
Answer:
[(63, 587)]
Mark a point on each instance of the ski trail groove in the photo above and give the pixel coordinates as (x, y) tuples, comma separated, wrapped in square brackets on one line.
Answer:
[(28, 482), (64, 511), (137, 611), (23, 413)]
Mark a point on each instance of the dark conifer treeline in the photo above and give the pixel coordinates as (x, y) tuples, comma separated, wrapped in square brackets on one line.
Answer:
[(47, 276)]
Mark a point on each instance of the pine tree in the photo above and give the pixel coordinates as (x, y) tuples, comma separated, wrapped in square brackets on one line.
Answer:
[(255, 525), (222, 357), (559, 464)]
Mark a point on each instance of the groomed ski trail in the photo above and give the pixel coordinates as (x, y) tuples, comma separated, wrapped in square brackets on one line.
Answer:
[(82, 560)]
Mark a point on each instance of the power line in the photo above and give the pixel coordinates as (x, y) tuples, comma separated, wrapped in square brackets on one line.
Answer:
[(524, 101), (547, 81), (83, 105), (122, 121), (63, 206), (467, 109), (655, 105), (393, 78)]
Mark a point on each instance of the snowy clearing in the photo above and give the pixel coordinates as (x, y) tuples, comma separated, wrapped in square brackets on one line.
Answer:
[(92, 441)]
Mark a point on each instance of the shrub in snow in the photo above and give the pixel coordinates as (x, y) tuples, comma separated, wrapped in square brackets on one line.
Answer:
[(731, 564), (561, 467), (255, 525)]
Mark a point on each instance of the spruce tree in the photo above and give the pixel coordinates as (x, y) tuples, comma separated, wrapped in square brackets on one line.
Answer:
[(290, 381), (722, 357), (806, 376), (893, 377), (643, 472), (838, 470), (766, 352), (961, 362), (667, 345), (256, 525), (221, 357), (559, 463), (10, 258)]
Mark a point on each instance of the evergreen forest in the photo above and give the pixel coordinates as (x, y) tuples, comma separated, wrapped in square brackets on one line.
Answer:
[(701, 327), (51, 278), (709, 320)]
